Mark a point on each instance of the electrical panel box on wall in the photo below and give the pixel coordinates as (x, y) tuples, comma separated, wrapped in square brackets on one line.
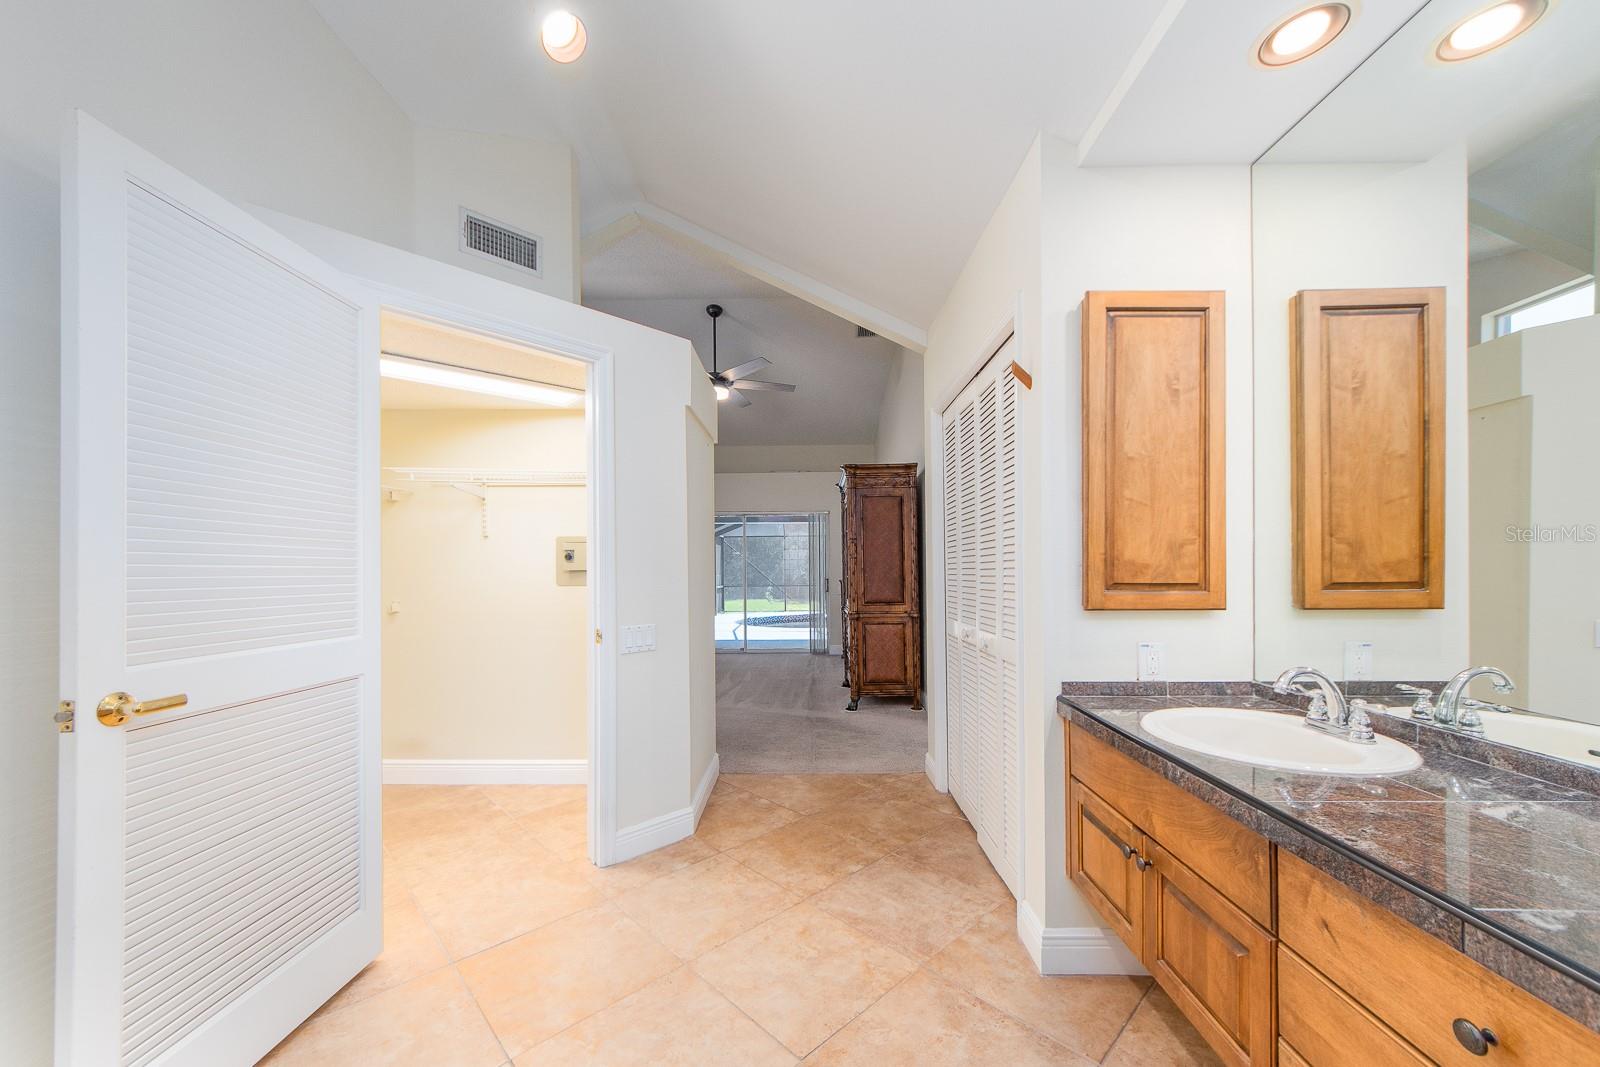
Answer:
[(572, 560)]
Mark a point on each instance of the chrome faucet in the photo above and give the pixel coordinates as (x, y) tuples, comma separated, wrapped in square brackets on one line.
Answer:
[(1328, 711), (1454, 711)]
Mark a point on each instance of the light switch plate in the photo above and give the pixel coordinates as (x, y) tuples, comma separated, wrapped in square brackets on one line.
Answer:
[(638, 638), (1152, 661), (1357, 661)]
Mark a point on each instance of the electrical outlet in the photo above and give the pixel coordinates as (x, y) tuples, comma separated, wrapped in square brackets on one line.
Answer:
[(1152, 661), (1357, 661)]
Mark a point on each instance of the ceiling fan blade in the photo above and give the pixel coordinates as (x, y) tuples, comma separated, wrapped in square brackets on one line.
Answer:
[(777, 387), (738, 398), (743, 369)]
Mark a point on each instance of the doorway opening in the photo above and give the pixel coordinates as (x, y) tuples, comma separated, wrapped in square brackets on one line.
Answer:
[(771, 573), (485, 604)]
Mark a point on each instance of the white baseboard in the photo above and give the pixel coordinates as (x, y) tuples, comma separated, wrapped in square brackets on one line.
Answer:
[(666, 829), (931, 769), (708, 782), (485, 772), (1073, 949)]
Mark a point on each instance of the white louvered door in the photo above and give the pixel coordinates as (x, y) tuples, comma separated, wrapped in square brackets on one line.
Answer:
[(219, 860), (983, 686)]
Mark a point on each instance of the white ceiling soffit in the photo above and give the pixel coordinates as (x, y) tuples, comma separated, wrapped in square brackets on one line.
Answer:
[(1403, 105), (863, 145), (1193, 93), (839, 378)]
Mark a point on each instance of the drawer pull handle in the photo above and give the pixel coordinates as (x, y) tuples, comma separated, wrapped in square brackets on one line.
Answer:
[(1475, 1039), (1141, 863)]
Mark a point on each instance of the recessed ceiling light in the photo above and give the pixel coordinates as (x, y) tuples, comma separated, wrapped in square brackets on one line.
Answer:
[(444, 376), (1302, 34), (563, 36), (1489, 29)]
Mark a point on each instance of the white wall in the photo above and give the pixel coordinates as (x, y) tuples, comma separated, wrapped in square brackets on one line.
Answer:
[(699, 442), (486, 657), (1372, 226), (902, 421), (261, 102), (760, 459), (529, 185), (794, 491), (1553, 369)]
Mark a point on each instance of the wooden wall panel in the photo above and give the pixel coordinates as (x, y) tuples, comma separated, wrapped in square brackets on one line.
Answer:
[(1368, 439), (1154, 427)]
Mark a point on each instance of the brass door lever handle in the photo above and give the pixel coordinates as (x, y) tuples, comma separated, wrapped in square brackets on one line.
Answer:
[(115, 709)]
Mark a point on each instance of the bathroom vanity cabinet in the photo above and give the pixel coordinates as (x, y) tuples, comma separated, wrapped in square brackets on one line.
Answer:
[(1273, 960)]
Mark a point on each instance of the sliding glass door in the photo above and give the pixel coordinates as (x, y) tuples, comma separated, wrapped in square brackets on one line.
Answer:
[(772, 586)]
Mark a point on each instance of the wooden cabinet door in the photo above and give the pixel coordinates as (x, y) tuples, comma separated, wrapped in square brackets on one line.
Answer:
[(1367, 415), (1154, 527), (883, 568), (1214, 962), (1101, 848), (885, 653)]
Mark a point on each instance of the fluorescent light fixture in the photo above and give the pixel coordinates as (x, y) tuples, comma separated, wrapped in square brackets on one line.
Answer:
[(1302, 34), (721, 391), (1489, 29), (563, 36), (423, 372)]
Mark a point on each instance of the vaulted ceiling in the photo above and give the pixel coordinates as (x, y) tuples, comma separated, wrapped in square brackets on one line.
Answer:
[(862, 143)]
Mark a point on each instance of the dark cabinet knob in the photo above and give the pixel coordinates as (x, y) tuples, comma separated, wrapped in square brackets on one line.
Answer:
[(1141, 863), (1475, 1039)]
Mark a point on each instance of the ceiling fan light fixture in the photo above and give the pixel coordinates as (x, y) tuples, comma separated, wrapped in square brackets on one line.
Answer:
[(1489, 29), (1302, 34), (721, 390), (563, 36)]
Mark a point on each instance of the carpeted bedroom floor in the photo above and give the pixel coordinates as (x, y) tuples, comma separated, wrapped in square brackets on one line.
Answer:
[(783, 713)]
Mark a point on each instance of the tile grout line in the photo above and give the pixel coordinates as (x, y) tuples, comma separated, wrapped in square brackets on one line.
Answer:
[(1126, 1022)]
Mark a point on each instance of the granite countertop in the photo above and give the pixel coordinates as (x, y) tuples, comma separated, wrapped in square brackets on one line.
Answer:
[(1502, 865)]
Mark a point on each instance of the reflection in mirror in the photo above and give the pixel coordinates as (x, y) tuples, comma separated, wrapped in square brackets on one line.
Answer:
[(1476, 178)]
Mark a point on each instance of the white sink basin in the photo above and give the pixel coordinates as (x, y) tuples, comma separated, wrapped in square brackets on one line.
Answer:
[(1267, 739), (1575, 741)]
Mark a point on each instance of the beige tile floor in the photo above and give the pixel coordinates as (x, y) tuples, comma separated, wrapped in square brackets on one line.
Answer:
[(834, 919)]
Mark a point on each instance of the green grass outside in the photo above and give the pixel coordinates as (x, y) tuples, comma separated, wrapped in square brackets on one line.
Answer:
[(760, 606)]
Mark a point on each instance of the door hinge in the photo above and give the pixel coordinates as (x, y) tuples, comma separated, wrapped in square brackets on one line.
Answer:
[(64, 716), (597, 636)]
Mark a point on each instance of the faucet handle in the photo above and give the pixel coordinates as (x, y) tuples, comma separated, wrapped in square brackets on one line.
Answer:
[(1317, 710), (1485, 705), (1468, 721), (1360, 726), (1422, 708)]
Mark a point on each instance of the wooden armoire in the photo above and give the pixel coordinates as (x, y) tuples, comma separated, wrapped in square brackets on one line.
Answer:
[(881, 588)]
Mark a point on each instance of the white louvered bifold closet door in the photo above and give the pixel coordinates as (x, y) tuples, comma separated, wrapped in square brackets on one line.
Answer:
[(982, 686), (219, 858)]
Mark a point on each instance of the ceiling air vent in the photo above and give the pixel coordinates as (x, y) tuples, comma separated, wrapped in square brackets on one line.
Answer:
[(483, 236), (862, 331)]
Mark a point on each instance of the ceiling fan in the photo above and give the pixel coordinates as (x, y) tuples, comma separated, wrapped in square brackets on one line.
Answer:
[(730, 383)]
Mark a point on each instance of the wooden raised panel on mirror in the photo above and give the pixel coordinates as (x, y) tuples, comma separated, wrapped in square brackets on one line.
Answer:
[(1213, 961), (1153, 444), (1367, 421)]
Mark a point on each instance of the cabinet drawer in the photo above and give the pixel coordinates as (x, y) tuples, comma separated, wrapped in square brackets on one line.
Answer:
[(1101, 849), (1211, 958), (1233, 858), (1417, 985), (1328, 1029)]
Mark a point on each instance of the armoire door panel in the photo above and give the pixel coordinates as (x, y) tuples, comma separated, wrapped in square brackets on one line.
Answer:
[(1368, 446), (886, 652), (886, 585), (1153, 443)]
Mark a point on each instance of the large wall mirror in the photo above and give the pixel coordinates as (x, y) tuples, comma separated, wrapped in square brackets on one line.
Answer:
[(1427, 372)]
